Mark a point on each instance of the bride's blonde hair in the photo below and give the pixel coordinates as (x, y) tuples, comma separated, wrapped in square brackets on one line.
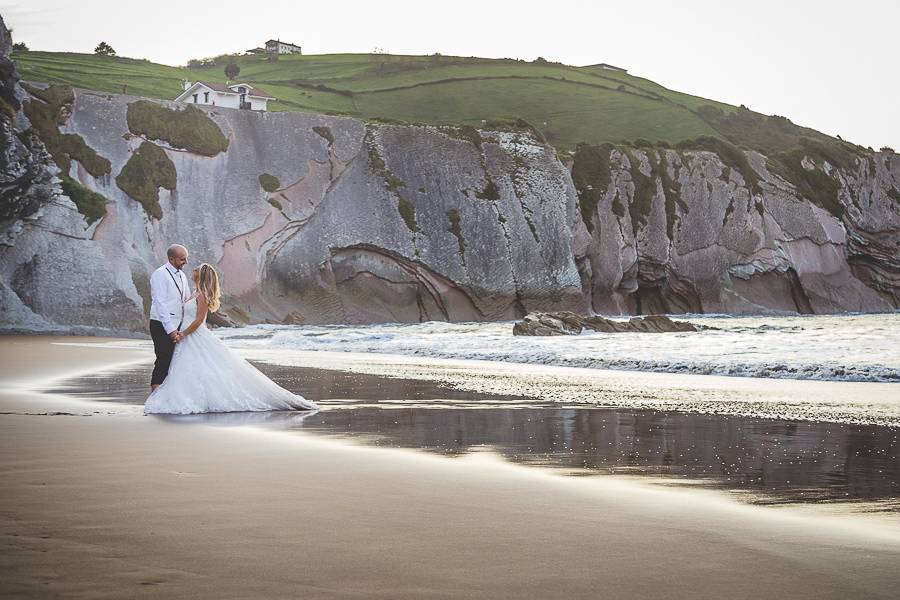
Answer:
[(208, 284)]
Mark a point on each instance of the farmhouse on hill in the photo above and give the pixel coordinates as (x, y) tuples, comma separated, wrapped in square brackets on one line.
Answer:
[(233, 95), (609, 67), (279, 47)]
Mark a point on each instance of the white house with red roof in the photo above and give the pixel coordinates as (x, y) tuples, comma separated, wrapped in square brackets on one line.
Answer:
[(230, 95)]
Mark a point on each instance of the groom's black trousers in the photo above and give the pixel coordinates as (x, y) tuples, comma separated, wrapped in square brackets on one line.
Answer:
[(163, 347)]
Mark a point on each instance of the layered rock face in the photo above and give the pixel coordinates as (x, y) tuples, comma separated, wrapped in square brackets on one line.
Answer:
[(368, 223), (376, 223), (681, 231)]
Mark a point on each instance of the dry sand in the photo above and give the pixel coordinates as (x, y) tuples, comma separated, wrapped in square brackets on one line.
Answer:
[(104, 502)]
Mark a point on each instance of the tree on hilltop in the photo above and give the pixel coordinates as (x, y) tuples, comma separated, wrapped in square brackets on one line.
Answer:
[(20, 47), (104, 49), (232, 70)]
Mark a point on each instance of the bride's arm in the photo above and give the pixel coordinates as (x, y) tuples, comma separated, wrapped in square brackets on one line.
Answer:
[(202, 308)]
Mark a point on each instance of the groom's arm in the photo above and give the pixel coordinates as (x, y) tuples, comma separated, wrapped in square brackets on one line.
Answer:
[(158, 297)]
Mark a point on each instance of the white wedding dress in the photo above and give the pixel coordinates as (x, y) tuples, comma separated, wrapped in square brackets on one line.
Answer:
[(207, 377)]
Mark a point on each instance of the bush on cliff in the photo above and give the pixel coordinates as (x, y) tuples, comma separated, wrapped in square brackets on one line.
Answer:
[(148, 169), (189, 129)]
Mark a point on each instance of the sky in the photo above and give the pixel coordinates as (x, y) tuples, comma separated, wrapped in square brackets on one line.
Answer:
[(830, 65)]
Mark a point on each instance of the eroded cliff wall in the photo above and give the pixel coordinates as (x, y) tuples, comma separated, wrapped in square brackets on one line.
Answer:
[(681, 231), (353, 222), (367, 223)]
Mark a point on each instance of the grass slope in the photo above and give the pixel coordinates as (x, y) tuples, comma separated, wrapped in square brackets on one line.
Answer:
[(567, 104)]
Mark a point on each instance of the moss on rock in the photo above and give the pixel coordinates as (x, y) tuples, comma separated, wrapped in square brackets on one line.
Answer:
[(644, 190), (54, 95), (325, 133), (814, 184), (376, 162), (591, 175), (269, 182), (7, 111), (490, 192), (407, 213), (148, 169), (729, 154), (456, 230), (46, 115), (189, 129), (894, 194), (90, 203)]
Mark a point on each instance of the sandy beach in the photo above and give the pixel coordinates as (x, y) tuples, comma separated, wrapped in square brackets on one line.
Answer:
[(99, 501)]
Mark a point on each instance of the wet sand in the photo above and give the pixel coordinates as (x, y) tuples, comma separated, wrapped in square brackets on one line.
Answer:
[(758, 460), (100, 501)]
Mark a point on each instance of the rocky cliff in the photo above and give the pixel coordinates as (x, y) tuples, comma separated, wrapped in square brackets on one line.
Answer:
[(683, 231), (319, 219)]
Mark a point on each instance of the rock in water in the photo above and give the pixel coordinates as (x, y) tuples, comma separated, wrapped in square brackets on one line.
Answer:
[(219, 319), (567, 323), (561, 323), (659, 324)]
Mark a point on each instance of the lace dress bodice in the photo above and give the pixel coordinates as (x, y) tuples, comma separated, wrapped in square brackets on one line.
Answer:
[(190, 313)]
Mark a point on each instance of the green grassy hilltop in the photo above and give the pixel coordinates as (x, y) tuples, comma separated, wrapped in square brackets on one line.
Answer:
[(568, 105)]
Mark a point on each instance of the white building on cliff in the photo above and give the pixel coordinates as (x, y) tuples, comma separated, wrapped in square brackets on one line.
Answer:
[(232, 95), (279, 47)]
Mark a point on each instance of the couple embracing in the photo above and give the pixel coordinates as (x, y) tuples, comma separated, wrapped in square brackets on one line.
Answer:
[(194, 372)]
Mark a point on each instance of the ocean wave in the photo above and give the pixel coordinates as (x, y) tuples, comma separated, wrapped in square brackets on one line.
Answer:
[(862, 348)]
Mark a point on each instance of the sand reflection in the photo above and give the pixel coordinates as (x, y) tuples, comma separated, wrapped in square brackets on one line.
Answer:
[(763, 460)]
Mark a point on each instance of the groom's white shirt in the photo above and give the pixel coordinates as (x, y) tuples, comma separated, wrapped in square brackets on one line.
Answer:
[(168, 292)]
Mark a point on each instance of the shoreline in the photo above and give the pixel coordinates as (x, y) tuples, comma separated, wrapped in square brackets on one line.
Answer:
[(827, 368), (757, 460), (120, 504)]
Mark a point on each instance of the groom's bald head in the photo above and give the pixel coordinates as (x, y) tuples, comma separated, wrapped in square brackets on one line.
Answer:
[(177, 255)]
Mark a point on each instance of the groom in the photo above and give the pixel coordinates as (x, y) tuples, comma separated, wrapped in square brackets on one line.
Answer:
[(168, 292)]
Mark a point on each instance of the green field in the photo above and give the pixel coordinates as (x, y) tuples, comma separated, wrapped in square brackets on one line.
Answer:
[(568, 105)]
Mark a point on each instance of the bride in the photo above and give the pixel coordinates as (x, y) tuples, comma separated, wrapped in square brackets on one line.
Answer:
[(206, 376)]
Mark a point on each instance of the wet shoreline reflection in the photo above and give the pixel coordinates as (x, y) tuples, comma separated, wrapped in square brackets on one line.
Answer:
[(766, 461)]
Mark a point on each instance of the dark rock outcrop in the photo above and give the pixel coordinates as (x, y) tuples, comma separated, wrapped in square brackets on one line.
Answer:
[(567, 323), (219, 319), (26, 171)]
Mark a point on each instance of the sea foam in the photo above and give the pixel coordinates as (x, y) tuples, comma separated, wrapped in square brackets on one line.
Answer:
[(835, 348)]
